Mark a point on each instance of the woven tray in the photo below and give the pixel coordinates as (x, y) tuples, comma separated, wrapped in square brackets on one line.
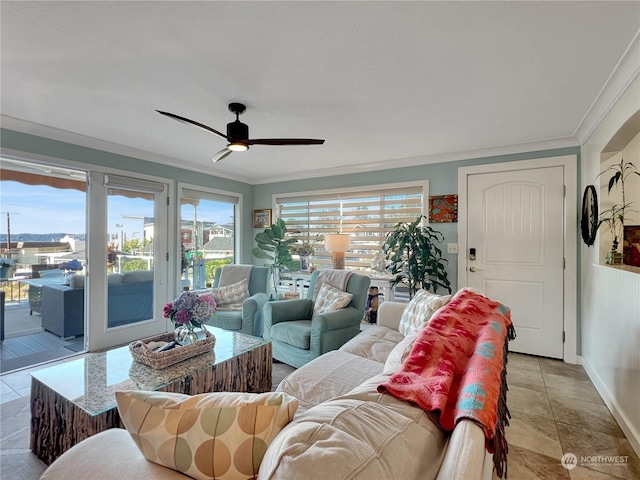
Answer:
[(161, 360)]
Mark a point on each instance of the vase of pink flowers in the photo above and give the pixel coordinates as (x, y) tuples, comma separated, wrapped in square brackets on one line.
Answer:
[(190, 311)]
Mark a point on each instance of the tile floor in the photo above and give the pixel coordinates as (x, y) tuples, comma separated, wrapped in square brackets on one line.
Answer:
[(555, 410)]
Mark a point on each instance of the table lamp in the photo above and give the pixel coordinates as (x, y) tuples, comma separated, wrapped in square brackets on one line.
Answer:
[(337, 244)]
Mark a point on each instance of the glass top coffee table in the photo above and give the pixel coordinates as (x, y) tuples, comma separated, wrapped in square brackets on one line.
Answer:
[(74, 400)]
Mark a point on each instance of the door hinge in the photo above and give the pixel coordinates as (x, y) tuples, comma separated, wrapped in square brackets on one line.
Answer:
[(564, 263), (564, 336), (564, 190), (167, 201), (167, 256)]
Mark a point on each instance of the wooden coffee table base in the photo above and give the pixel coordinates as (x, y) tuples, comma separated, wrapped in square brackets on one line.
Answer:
[(58, 423)]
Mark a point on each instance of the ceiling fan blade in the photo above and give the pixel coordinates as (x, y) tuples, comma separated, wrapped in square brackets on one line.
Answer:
[(285, 141), (221, 154), (191, 122)]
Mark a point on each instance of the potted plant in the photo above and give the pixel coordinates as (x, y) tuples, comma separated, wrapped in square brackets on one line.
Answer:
[(614, 217), (413, 257), (304, 248), (274, 247)]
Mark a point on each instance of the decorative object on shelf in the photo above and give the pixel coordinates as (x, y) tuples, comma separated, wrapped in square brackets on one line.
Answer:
[(273, 246), (188, 312), (261, 218), (337, 244), (443, 208), (378, 265), (589, 221), (615, 216), (414, 258), (304, 262), (304, 248)]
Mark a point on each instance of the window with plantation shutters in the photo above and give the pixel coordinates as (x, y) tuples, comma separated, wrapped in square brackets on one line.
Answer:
[(367, 216)]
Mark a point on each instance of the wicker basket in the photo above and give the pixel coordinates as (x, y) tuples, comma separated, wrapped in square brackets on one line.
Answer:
[(165, 359)]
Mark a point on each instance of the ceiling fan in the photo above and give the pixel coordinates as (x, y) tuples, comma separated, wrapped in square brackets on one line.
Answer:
[(238, 134)]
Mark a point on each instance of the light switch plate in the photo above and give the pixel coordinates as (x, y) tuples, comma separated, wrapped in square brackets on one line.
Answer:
[(452, 248)]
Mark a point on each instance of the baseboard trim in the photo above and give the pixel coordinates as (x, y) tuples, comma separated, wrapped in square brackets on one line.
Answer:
[(627, 428)]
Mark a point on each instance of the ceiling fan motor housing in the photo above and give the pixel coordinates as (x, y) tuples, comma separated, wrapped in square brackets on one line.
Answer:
[(237, 130)]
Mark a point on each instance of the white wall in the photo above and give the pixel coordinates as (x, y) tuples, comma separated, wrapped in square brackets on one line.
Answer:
[(610, 298)]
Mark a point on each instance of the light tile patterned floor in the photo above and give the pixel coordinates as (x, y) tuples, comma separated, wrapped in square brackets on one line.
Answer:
[(556, 410)]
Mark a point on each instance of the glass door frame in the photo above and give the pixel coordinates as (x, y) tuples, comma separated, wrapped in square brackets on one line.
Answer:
[(209, 194), (98, 336)]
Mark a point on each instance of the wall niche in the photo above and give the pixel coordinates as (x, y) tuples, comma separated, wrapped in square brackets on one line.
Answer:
[(624, 147)]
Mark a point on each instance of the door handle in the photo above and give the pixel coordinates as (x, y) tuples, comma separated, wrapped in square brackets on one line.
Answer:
[(473, 269)]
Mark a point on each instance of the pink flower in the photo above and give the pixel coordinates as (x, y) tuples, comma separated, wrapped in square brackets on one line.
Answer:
[(167, 310), (183, 317)]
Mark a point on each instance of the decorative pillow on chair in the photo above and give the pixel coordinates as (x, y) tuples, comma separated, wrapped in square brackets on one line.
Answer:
[(330, 298), (236, 293), (213, 435), (419, 310)]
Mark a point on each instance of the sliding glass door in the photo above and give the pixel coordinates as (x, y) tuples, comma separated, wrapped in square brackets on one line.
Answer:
[(128, 289)]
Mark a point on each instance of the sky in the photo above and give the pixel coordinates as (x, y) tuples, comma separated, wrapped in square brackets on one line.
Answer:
[(44, 209)]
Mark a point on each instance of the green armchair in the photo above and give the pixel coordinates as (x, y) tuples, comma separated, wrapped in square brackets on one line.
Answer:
[(297, 337), (248, 319)]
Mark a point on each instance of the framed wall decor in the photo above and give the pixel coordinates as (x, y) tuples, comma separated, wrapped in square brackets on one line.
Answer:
[(443, 208), (262, 218)]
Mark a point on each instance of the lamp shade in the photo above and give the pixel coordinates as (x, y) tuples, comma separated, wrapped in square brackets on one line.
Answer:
[(337, 242)]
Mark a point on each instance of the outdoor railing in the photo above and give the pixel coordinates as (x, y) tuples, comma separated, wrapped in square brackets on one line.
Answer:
[(14, 290)]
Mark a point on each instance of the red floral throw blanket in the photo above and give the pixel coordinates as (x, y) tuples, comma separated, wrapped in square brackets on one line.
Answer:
[(456, 369)]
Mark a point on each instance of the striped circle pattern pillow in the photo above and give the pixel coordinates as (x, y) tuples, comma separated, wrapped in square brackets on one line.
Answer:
[(213, 435), (233, 294), (419, 310), (330, 298)]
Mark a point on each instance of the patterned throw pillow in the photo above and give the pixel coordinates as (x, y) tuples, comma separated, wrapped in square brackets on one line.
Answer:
[(213, 435), (420, 309), (236, 293), (331, 298)]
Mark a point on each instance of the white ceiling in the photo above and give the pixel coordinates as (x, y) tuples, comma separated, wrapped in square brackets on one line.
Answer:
[(385, 83)]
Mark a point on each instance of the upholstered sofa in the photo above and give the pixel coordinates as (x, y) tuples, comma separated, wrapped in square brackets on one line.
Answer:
[(130, 299), (343, 428)]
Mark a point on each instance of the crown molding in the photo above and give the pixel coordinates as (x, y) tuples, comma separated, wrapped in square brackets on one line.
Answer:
[(56, 134), (623, 75), (395, 163)]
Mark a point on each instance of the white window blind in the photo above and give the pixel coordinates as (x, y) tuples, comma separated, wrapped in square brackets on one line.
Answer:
[(367, 216)]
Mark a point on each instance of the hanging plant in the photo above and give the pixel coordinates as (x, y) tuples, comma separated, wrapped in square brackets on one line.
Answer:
[(413, 257)]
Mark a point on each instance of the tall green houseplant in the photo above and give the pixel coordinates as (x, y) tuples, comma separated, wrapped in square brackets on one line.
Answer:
[(615, 216), (413, 257), (274, 247)]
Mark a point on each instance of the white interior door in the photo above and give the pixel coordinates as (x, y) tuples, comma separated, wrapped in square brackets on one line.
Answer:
[(515, 251)]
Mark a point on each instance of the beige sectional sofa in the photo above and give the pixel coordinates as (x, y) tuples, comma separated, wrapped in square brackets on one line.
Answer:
[(343, 429)]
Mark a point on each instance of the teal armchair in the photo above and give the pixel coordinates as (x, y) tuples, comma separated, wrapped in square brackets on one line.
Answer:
[(297, 337), (249, 319)]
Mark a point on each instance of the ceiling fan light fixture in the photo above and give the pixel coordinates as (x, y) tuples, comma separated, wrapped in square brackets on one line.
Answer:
[(238, 147)]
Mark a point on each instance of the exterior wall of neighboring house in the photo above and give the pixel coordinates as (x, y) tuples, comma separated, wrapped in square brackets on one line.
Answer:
[(30, 253), (610, 301)]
